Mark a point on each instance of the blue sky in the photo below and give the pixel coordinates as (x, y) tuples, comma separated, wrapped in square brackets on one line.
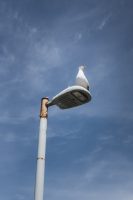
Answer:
[(89, 148)]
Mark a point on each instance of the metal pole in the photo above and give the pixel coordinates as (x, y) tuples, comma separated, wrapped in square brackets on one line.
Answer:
[(39, 185)]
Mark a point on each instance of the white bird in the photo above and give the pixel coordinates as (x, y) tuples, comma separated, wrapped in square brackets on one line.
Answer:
[(81, 79)]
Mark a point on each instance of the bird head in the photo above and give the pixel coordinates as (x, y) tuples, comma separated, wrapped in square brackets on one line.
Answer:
[(82, 67)]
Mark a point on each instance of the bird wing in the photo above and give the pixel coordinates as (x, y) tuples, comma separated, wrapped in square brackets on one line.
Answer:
[(82, 80)]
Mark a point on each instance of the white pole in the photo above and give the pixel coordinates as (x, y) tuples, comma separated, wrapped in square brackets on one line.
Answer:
[(39, 185)]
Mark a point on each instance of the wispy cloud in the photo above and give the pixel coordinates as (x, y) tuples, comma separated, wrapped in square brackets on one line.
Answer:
[(13, 137), (104, 22), (92, 184)]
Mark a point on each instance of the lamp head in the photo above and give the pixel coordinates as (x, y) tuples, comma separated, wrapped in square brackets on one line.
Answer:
[(71, 97)]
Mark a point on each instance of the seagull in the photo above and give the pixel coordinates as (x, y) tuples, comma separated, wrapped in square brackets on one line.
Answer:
[(81, 79)]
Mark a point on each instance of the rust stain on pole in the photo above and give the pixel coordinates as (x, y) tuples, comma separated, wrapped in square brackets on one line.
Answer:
[(44, 107)]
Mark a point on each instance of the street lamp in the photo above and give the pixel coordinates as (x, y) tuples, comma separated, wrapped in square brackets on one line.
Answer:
[(68, 98)]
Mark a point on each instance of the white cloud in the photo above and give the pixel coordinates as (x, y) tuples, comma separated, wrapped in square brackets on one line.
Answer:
[(6, 61), (78, 37), (104, 22), (13, 137), (104, 193), (9, 117), (109, 178)]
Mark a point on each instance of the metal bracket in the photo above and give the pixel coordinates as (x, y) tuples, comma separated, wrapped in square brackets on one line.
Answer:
[(44, 107)]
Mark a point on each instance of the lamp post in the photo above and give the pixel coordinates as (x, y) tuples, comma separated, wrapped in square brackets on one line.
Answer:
[(68, 98), (41, 150)]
